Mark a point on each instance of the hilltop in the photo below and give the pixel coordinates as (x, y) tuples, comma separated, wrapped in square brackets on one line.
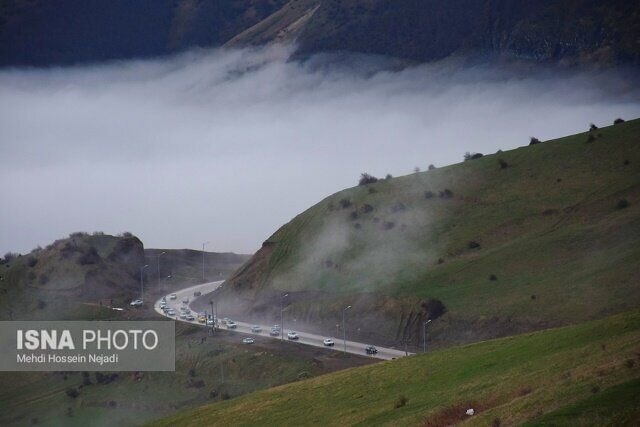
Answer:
[(569, 32), (70, 277), (584, 375), (75, 277), (540, 236)]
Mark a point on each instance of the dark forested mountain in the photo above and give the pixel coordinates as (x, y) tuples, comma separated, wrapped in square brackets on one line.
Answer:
[(46, 32)]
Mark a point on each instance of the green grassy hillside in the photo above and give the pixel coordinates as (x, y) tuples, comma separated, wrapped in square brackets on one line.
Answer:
[(578, 375), (539, 236)]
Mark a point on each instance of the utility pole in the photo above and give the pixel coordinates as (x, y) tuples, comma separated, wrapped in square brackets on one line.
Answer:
[(344, 330), (159, 281), (203, 277), (282, 316), (424, 336), (142, 281)]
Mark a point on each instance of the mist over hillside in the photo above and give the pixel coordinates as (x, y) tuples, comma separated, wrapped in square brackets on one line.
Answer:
[(226, 145)]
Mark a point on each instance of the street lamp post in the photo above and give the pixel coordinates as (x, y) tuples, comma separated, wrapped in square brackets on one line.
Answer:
[(424, 335), (213, 317), (344, 329), (282, 316), (159, 280), (203, 245), (142, 281)]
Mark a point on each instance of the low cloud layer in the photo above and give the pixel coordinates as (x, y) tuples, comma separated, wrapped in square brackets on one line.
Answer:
[(225, 146)]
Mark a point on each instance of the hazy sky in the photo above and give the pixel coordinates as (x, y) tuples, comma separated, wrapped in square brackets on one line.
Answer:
[(227, 146)]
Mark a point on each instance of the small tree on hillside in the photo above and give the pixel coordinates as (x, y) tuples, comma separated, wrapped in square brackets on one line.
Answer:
[(365, 179)]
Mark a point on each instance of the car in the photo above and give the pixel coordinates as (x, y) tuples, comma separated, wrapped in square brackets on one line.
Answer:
[(231, 324), (210, 322), (173, 296), (256, 329), (171, 312), (226, 320), (136, 303), (190, 317), (197, 293), (292, 335), (248, 340), (183, 316), (185, 301), (274, 332), (371, 349), (202, 319), (163, 305), (328, 342)]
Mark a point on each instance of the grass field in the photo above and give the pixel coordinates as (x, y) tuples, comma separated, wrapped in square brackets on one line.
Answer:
[(543, 235), (584, 374), (207, 370)]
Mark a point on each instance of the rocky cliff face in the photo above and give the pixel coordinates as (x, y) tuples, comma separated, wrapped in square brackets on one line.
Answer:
[(40, 32)]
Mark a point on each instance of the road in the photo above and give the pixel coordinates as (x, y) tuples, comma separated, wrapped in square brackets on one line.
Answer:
[(245, 328)]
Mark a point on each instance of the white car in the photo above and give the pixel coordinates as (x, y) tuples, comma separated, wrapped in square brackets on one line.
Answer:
[(173, 296), (136, 303), (256, 329), (183, 316), (328, 342), (231, 324), (292, 335), (171, 312), (210, 322), (163, 305), (248, 340), (190, 317)]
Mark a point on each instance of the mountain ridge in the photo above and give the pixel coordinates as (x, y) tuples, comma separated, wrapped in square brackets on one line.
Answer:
[(570, 32)]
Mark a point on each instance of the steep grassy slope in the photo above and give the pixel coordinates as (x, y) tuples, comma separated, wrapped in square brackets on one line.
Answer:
[(506, 381), (538, 236)]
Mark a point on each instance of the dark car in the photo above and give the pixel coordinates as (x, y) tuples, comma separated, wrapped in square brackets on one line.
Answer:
[(197, 293), (371, 349)]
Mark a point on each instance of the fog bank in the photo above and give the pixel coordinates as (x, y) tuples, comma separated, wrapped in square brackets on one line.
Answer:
[(226, 146)]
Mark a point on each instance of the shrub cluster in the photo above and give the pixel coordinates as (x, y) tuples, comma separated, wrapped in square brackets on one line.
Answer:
[(366, 179), (446, 194), (91, 256), (345, 203), (472, 156)]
